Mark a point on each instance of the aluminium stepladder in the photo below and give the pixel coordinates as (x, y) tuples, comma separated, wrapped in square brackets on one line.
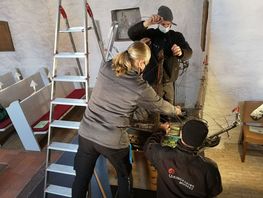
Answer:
[(84, 79)]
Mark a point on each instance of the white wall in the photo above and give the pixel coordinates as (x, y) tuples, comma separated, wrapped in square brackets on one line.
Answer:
[(235, 57), (31, 33), (187, 15), (32, 26)]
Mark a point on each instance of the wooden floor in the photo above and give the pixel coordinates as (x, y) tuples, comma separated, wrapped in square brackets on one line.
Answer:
[(24, 166), (21, 166), (239, 179)]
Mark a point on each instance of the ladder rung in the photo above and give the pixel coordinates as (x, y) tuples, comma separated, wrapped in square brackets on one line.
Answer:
[(74, 29), (70, 55), (68, 78), (60, 146), (63, 169), (69, 101), (65, 124), (58, 190)]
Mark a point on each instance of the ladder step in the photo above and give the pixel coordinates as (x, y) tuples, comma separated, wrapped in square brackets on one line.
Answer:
[(58, 190), (69, 101), (68, 78), (63, 169), (60, 146), (70, 55), (65, 124), (74, 29)]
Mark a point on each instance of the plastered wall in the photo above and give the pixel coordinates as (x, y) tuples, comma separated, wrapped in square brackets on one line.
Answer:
[(32, 25), (235, 67), (32, 34)]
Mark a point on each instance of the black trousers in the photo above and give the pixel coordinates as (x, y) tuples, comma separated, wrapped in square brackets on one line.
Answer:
[(85, 160)]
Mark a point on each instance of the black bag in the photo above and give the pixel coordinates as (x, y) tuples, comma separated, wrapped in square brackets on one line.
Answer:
[(3, 113)]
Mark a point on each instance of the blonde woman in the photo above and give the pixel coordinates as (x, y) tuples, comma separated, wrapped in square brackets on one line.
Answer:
[(118, 91)]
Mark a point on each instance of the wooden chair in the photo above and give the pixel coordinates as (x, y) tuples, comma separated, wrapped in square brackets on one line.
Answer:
[(18, 91), (248, 134), (30, 116)]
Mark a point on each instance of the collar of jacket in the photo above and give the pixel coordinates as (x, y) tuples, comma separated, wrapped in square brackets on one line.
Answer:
[(183, 148), (134, 72)]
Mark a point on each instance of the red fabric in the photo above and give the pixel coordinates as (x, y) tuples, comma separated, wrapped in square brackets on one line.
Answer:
[(59, 110), (77, 94), (5, 123)]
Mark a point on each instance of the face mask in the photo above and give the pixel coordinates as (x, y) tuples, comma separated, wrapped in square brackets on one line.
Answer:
[(164, 29), (141, 69)]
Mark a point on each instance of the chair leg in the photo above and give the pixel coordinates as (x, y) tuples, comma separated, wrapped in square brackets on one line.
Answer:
[(241, 137), (244, 151)]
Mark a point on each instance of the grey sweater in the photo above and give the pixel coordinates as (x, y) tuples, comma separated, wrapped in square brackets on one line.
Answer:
[(112, 103)]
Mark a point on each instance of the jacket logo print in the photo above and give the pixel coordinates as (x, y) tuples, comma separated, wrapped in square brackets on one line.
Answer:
[(171, 171)]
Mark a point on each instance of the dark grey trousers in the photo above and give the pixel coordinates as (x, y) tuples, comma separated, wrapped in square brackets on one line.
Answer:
[(85, 160)]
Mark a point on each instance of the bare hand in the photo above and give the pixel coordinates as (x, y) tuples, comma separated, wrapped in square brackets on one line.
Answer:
[(154, 19), (177, 51), (178, 110), (165, 127)]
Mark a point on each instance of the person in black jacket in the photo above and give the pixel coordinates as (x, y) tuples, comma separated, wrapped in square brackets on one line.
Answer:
[(167, 48), (182, 172)]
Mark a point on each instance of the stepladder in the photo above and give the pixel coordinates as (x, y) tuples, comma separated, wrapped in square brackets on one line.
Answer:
[(82, 78)]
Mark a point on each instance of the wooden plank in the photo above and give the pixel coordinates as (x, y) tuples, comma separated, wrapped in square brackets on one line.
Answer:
[(6, 43)]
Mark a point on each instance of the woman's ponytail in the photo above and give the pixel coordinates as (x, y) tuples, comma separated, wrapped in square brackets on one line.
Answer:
[(124, 61)]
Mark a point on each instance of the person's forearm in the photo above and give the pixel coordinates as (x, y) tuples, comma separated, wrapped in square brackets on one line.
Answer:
[(153, 146), (187, 53), (156, 137), (136, 32), (152, 101)]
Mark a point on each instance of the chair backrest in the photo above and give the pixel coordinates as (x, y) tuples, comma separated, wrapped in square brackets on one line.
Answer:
[(7, 80), (248, 108), (20, 90), (38, 103)]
